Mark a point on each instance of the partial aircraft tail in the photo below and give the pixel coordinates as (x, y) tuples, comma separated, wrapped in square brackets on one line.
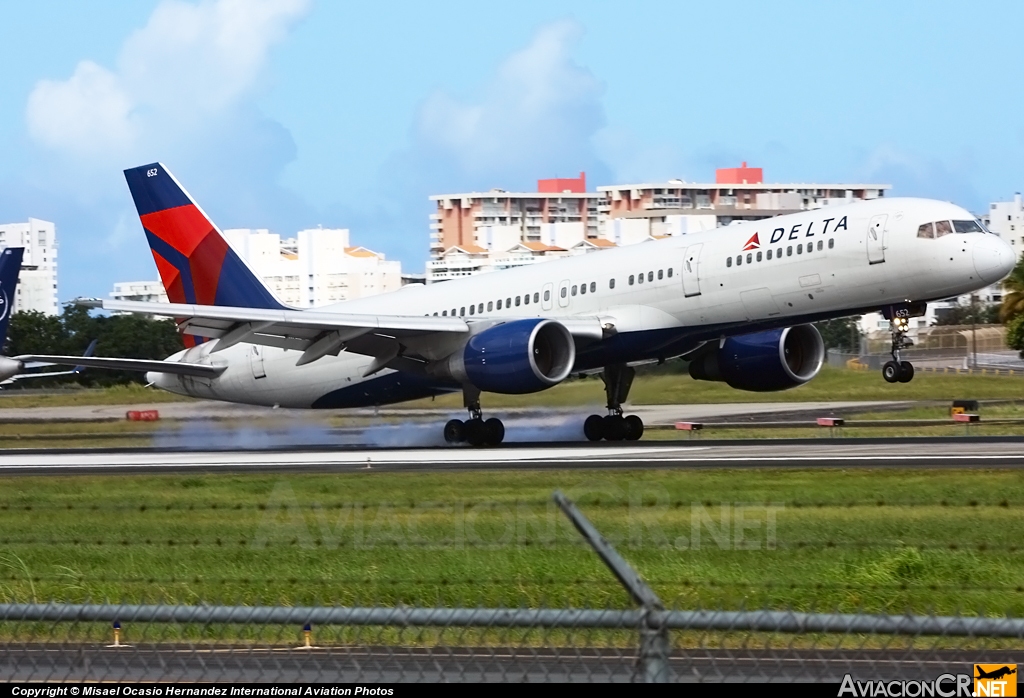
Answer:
[(196, 263), (10, 266)]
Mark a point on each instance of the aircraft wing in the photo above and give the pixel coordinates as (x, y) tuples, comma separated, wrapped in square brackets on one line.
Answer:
[(177, 367), (315, 333)]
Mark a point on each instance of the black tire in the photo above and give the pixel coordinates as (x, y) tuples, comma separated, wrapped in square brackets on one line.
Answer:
[(593, 428), (476, 433), (891, 372), (494, 431), (634, 427), (455, 431), (614, 427), (906, 372)]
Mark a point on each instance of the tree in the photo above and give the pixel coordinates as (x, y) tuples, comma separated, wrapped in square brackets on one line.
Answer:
[(976, 314), (1013, 298), (123, 336), (1015, 333), (842, 334)]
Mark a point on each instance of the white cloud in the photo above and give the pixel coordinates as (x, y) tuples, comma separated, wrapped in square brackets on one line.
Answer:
[(538, 113), (189, 64)]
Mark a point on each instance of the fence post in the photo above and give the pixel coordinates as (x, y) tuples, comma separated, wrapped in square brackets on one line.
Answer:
[(654, 641)]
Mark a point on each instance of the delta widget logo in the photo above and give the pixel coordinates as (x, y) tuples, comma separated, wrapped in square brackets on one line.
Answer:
[(995, 680), (754, 243)]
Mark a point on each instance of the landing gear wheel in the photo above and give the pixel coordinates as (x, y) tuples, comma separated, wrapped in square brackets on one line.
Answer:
[(455, 431), (476, 433), (633, 427), (906, 373), (593, 428), (614, 427), (494, 431), (891, 372)]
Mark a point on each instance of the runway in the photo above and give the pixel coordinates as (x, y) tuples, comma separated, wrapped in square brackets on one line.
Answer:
[(939, 452)]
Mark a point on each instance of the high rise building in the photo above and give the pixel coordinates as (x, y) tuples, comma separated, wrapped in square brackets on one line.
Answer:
[(37, 283)]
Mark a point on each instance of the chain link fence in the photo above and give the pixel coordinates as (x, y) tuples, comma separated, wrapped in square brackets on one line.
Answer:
[(649, 643)]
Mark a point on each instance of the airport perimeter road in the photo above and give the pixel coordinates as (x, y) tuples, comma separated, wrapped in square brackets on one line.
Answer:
[(948, 452), (387, 664)]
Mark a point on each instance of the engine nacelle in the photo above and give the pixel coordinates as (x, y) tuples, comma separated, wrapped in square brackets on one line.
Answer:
[(9, 368), (764, 361), (524, 356)]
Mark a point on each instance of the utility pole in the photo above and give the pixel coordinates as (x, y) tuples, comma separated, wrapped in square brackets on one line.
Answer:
[(974, 337)]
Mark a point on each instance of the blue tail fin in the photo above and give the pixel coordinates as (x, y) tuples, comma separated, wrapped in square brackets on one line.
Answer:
[(10, 266)]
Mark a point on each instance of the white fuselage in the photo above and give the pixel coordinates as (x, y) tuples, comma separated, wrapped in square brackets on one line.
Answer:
[(863, 256)]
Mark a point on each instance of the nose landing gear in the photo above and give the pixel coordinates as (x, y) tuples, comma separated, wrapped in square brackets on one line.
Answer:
[(476, 431), (614, 426), (897, 370)]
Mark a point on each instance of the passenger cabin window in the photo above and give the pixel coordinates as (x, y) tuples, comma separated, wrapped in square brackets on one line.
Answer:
[(650, 276), (831, 243), (769, 254), (611, 284), (640, 278), (942, 228), (574, 289), (926, 230), (508, 303), (583, 289), (526, 299), (759, 256), (536, 297), (739, 259), (593, 287), (728, 261), (800, 248), (462, 311), (547, 295), (967, 227), (661, 274), (750, 257), (490, 306), (670, 272), (630, 279), (789, 251), (821, 245), (445, 313), (499, 304), (472, 308), (562, 292), (480, 308), (517, 301)]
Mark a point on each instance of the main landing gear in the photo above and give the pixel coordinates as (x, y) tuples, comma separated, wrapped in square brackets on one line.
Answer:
[(613, 426), (897, 370), (475, 431)]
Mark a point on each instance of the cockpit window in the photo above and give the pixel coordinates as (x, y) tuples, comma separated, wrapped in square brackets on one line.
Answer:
[(970, 226), (942, 228), (926, 231)]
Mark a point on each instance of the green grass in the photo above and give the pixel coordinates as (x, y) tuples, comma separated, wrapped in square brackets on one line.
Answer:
[(830, 384), (76, 395), (942, 541)]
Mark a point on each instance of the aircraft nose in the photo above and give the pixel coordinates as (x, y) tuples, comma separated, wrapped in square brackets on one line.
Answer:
[(993, 258)]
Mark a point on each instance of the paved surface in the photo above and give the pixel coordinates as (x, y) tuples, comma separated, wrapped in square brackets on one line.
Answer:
[(950, 452), (651, 414), (387, 664)]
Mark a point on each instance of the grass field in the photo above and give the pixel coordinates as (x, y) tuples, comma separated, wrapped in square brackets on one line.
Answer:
[(830, 384), (942, 541)]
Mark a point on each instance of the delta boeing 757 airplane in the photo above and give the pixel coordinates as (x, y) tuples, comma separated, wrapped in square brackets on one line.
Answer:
[(736, 302)]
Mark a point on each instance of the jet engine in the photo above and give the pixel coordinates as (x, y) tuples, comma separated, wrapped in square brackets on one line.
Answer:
[(524, 356), (763, 361), (9, 368)]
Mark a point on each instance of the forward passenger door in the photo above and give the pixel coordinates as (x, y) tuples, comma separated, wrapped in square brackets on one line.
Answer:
[(691, 270), (876, 239)]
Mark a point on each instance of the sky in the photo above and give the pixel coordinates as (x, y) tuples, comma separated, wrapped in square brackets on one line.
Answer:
[(288, 114)]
